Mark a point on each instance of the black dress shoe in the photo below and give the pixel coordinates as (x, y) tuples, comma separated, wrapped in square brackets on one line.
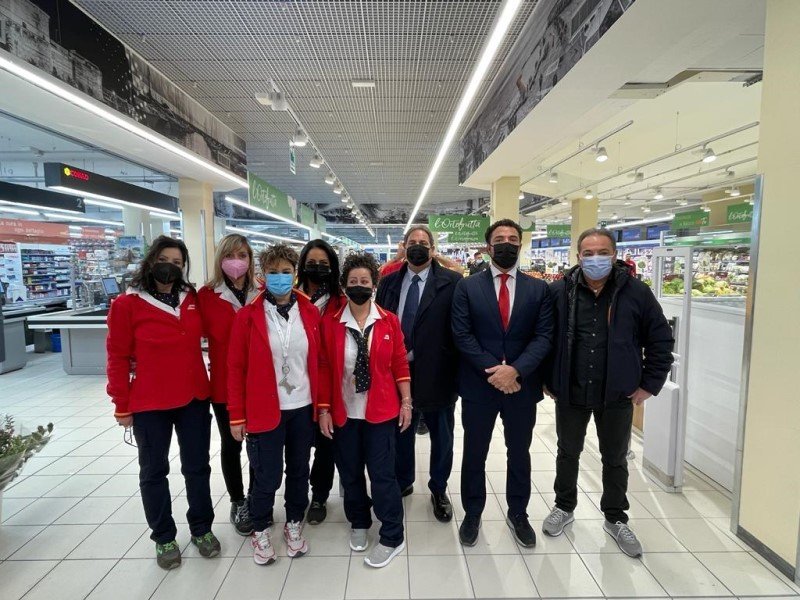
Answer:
[(407, 491), (468, 532), (316, 512), (442, 509), (422, 428), (522, 530)]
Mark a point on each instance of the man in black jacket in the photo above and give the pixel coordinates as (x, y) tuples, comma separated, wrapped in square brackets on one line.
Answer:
[(612, 349), (421, 295)]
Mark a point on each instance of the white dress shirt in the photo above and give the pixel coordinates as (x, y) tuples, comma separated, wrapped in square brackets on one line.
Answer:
[(354, 402), (511, 284), (423, 275), (296, 359), (322, 302)]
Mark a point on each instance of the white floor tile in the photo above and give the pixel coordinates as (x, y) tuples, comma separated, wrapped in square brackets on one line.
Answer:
[(742, 574), (19, 576), (666, 505), (34, 486), (494, 538), (389, 583), (71, 580), (118, 485), (42, 511), (13, 537), (432, 539), (698, 535), (68, 465), (500, 577), (131, 511), (248, 581), (90, 511), (108, 541), (54, 542), (439, 577), (129, 580), (619, 575), (196, 578), (684, 575), (561, 576), (108, 465), (77, 486), (312, 577)]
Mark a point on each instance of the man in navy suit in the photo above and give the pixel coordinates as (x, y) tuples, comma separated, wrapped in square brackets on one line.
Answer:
[(503, 327)]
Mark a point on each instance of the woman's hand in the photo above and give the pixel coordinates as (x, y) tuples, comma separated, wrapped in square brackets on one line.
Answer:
[(405, 417), (326, 425), (125, 421), (237, 431)]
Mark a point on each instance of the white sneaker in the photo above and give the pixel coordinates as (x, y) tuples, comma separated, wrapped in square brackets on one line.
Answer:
[(263, 551), (358, 540), (382, 555), (296, 544)]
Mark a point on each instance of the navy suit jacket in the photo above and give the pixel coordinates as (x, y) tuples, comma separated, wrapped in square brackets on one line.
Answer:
[(482, 342)]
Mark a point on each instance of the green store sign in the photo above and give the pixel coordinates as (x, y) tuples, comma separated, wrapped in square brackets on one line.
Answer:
[(267, 197), (306, 215), (460, 228), (740, 213), (559, 231), (690, 220)]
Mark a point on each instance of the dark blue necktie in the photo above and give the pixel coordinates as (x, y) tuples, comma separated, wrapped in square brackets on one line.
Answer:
[(410, 312)]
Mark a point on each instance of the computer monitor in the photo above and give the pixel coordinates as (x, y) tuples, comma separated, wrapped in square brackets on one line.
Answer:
[(110, 286)]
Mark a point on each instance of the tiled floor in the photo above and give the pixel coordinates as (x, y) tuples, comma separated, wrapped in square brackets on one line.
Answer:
[(73, 527)]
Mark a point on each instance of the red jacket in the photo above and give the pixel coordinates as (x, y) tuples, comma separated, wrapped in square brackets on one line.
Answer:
[(252, 388), (388, 365), (335, 303), (161, 347), (391, 266), (218, 307)]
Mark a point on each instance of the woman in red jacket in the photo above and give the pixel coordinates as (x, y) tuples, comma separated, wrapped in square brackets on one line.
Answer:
[(231, 288), (363, 363), (318, 278), (272, 387), (158, 382)]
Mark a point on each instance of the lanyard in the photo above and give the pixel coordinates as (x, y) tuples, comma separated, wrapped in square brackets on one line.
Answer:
[(285, 335)]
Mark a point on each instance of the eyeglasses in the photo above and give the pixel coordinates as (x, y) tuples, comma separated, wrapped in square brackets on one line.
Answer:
[(127, 437)]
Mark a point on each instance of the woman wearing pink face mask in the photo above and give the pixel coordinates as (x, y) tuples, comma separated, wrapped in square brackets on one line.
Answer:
[(232, 287)]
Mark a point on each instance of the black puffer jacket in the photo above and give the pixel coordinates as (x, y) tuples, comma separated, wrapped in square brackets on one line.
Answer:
[(639, 337)]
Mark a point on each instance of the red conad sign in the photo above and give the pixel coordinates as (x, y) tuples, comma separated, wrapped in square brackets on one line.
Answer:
[(75, 174), (33, 229)]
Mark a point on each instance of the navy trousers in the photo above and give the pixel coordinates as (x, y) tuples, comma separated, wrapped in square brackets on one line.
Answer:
[(478, 418), (322, 469), (230, 455), (294, 435), (153, 432), (441, 424), (358, 444)]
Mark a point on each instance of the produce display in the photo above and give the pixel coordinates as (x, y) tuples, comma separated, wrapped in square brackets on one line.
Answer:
[(716, 273)]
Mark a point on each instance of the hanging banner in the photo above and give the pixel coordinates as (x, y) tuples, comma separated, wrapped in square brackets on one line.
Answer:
[(306, 215), (14, 228), (322, 224), (690, 220), (292, 161), (559, 231), (267, 197), (740, 213), (460, 228)]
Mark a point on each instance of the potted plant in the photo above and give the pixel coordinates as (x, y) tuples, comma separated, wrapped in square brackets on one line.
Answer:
[(16, 449)]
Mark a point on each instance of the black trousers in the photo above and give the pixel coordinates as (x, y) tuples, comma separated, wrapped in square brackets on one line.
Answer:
[(613, 422), (441, 425), (230, 455), (153, 432), (294, 436), (358, 444), (478, 418), (322, 469)]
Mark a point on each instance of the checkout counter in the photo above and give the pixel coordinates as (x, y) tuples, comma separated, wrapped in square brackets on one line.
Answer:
[(83, 338), (13, 342)]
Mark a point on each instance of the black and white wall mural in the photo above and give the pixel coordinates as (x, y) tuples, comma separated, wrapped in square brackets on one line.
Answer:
[(556, 36), (60, 39)]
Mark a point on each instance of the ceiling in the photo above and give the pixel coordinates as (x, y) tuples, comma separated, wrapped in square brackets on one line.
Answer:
[(380, 142)]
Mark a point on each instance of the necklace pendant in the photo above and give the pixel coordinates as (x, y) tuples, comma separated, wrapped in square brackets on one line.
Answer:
[(287, 386)]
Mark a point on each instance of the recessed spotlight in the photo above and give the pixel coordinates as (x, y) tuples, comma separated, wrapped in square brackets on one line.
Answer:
[(521, 196), (627, 200), (705, 208), (330, 179), (659, 195), (646, 209), (601, 155), (734, 192), (564, 202), (299, 139), (338, 189), (553, 178), (682, 202), (588, 195), (316, 162), (709, 155)]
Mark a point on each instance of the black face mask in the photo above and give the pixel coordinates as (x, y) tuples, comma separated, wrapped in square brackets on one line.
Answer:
[(505, 255), (358, 293), (418, 254), (165, 272), (318, 273)]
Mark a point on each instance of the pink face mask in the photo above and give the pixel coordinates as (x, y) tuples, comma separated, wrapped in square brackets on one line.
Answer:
[(235, 267)]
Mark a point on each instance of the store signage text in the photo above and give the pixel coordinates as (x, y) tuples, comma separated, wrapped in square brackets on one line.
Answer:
[(690, 220), (75, 174), (559, 231), (267, 197), (460, 228), (33, 229), (740, 213)]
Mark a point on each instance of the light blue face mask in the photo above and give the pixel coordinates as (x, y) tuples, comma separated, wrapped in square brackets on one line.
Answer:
[(279, 284), (597, 267)]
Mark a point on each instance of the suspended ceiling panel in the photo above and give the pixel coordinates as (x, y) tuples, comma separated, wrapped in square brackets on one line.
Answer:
[(380, 142)]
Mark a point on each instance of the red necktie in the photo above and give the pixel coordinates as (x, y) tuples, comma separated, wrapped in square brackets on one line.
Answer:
[(503, 300)]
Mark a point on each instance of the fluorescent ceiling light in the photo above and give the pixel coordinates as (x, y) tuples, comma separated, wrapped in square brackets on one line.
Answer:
[(641, 222), (19, 211), (69, 190), (165, 216), (269, 236), (62, 217), (601, 154), (363, 83), (39, 208), (271, 215), (92, 202), (117, 119), (490, 50)]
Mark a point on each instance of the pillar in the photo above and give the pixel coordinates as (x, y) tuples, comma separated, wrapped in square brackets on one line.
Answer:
[(505, 205), (769, 493), (219, 228), (584, 216), (196, 200), (136, 221)]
